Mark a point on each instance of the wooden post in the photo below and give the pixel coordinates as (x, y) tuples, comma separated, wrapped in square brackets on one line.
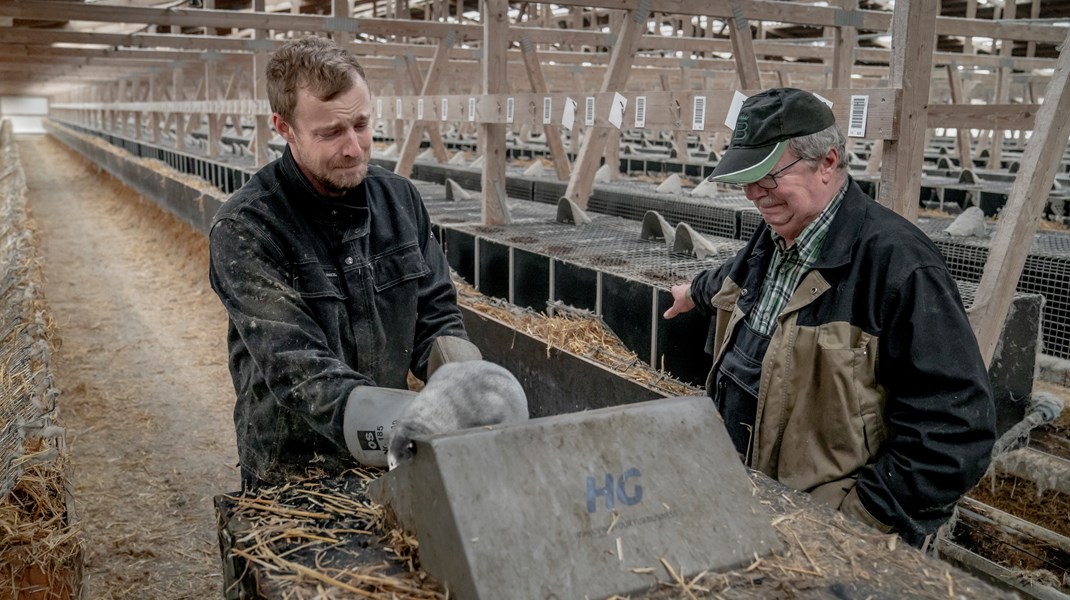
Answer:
[(962, 138), (1003, 88), (843, 49), (679, 137), (581, 182), (913, 38), (262, 132), (1025, 205), (211, 85), (743, 50), (178, 85), (340, 9), (538, 85), (492, 135)]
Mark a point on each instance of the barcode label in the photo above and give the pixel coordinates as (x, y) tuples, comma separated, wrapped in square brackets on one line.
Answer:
[(856, 123), (547, 110), (698, 115), (588, 115), (419, 109), (640, 111), (510, 104), (378, 108), (397, 107), (471, 109), (445, 108)]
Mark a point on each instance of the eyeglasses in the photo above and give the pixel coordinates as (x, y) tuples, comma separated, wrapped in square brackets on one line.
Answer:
[(769, 181)]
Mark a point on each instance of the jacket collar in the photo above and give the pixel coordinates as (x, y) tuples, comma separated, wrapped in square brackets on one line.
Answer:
[(305, 198), (845, 229)]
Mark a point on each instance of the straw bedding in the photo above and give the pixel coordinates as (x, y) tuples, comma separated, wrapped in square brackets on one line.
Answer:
[(40, 548)]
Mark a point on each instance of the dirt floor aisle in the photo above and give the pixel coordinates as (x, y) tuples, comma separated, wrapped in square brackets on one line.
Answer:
[(145, 392)]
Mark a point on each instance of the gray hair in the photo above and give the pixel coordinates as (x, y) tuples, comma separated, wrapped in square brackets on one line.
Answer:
[(812, 148)]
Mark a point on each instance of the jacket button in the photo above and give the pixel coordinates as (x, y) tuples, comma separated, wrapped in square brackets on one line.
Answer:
[(349, 260), (743, 292), (813, 290)]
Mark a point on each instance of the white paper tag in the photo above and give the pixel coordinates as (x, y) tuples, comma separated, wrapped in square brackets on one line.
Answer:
[(445, 108), (640, 111), (419, 109), (547, 110), (856, 122), (733, 110), (397, 106), (471, 109), (588, 111), (568, 117), (616, 112), (698, 114), (827, 102), (510, 106)]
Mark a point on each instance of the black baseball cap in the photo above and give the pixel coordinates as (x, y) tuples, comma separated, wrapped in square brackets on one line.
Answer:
[(765, 124)]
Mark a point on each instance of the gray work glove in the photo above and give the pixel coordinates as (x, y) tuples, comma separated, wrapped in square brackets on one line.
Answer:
[(370, 415), (448, 348), (472, 393)]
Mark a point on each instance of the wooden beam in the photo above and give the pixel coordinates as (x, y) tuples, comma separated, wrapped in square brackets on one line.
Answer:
[(1025, 205), (962, 137), (1003, 88), (424, 86), (262, 132), (913, 38), (551, 131), (743, 50), (843, 45), (581, 182), (495, 15)]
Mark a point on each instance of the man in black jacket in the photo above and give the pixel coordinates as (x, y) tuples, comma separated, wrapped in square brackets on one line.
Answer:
[(334, 286), (844, 364)]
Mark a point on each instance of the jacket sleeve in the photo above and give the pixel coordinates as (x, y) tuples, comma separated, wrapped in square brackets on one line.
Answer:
[(437, 312), (939, 409), (283, 340), (704, 285)]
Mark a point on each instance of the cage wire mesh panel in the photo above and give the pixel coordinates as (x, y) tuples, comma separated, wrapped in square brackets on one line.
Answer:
[(1046, 272), (729, 215), (27, 397)]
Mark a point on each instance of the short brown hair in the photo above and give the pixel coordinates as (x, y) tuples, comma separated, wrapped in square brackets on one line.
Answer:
[(317, 64)]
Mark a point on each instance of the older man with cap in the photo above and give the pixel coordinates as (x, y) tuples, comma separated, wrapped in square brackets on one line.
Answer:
[(843, 361)]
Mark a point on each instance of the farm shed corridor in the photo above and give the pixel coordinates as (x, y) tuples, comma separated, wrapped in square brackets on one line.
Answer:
[(146, 397)]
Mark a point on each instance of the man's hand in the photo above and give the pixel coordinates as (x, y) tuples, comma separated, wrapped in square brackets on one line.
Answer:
[(681, 296)]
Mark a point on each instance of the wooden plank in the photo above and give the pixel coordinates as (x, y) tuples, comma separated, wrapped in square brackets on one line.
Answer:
[(492, 135), (552, 133), (962, 137), (843, 44), (982, 116), (262, 132), (1025, 205), (1003, 88), (743, 50), (581, 182), (827, 16), (913, 38), (340, 9)]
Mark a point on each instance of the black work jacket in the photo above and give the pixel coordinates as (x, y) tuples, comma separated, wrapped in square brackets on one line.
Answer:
[(872, 389), (323, 295)]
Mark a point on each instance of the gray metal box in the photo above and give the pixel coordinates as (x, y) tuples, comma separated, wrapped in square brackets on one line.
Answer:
[(579, 505)]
